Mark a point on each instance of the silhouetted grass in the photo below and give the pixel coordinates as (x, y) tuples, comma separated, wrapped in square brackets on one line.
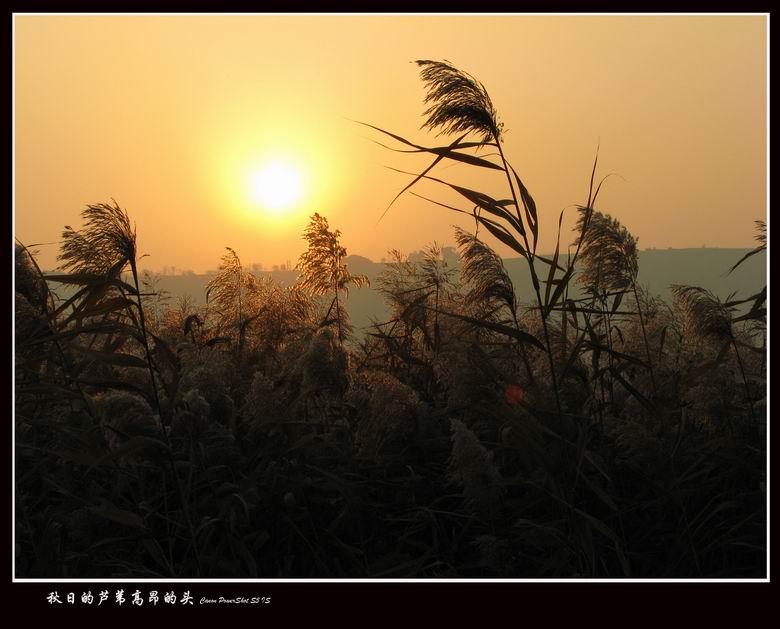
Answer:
[(470, 435)]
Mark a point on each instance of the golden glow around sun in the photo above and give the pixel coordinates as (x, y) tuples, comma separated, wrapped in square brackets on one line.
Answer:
[(270, 174), (276, 186)]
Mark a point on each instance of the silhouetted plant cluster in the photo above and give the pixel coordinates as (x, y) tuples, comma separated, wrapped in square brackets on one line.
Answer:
[(472, 434)]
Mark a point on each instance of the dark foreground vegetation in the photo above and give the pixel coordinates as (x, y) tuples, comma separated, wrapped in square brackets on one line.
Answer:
[(474, 434)]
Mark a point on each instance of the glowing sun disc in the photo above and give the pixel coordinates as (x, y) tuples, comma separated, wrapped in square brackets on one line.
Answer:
[(276, 186)]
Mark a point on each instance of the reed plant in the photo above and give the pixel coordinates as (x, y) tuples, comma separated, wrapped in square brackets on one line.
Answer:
[(323, 270), (464, 437)]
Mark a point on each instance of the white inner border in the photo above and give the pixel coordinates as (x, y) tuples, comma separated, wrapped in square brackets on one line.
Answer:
[(380, 580)]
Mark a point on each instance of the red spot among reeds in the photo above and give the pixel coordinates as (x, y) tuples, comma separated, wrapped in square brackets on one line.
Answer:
[(513, 394)]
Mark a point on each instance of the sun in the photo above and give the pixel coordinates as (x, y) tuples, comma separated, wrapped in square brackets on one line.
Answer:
[(276, 186)]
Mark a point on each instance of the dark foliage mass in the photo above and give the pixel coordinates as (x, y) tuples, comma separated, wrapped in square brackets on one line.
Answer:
[(476, 433)]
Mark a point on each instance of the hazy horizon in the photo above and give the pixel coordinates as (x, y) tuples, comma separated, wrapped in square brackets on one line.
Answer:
[(173, 116), (263, 266), (279, 266)]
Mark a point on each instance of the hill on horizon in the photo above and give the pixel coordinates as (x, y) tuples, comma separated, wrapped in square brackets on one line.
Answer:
[(658, 270)]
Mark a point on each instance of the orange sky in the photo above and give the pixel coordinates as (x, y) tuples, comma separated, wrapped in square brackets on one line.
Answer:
[(172, 115)]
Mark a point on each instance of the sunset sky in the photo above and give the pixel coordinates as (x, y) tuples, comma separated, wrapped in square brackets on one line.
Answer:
[(217, 131)]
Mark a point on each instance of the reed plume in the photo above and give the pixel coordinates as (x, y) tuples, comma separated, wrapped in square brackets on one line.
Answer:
[(760, 238), (608, 253), (761, 235), (233, 291), (436, 274), (322, 268), (458, 102), (610, 264), (472, 467), (712, 318), (104, 246), (484, 271)]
